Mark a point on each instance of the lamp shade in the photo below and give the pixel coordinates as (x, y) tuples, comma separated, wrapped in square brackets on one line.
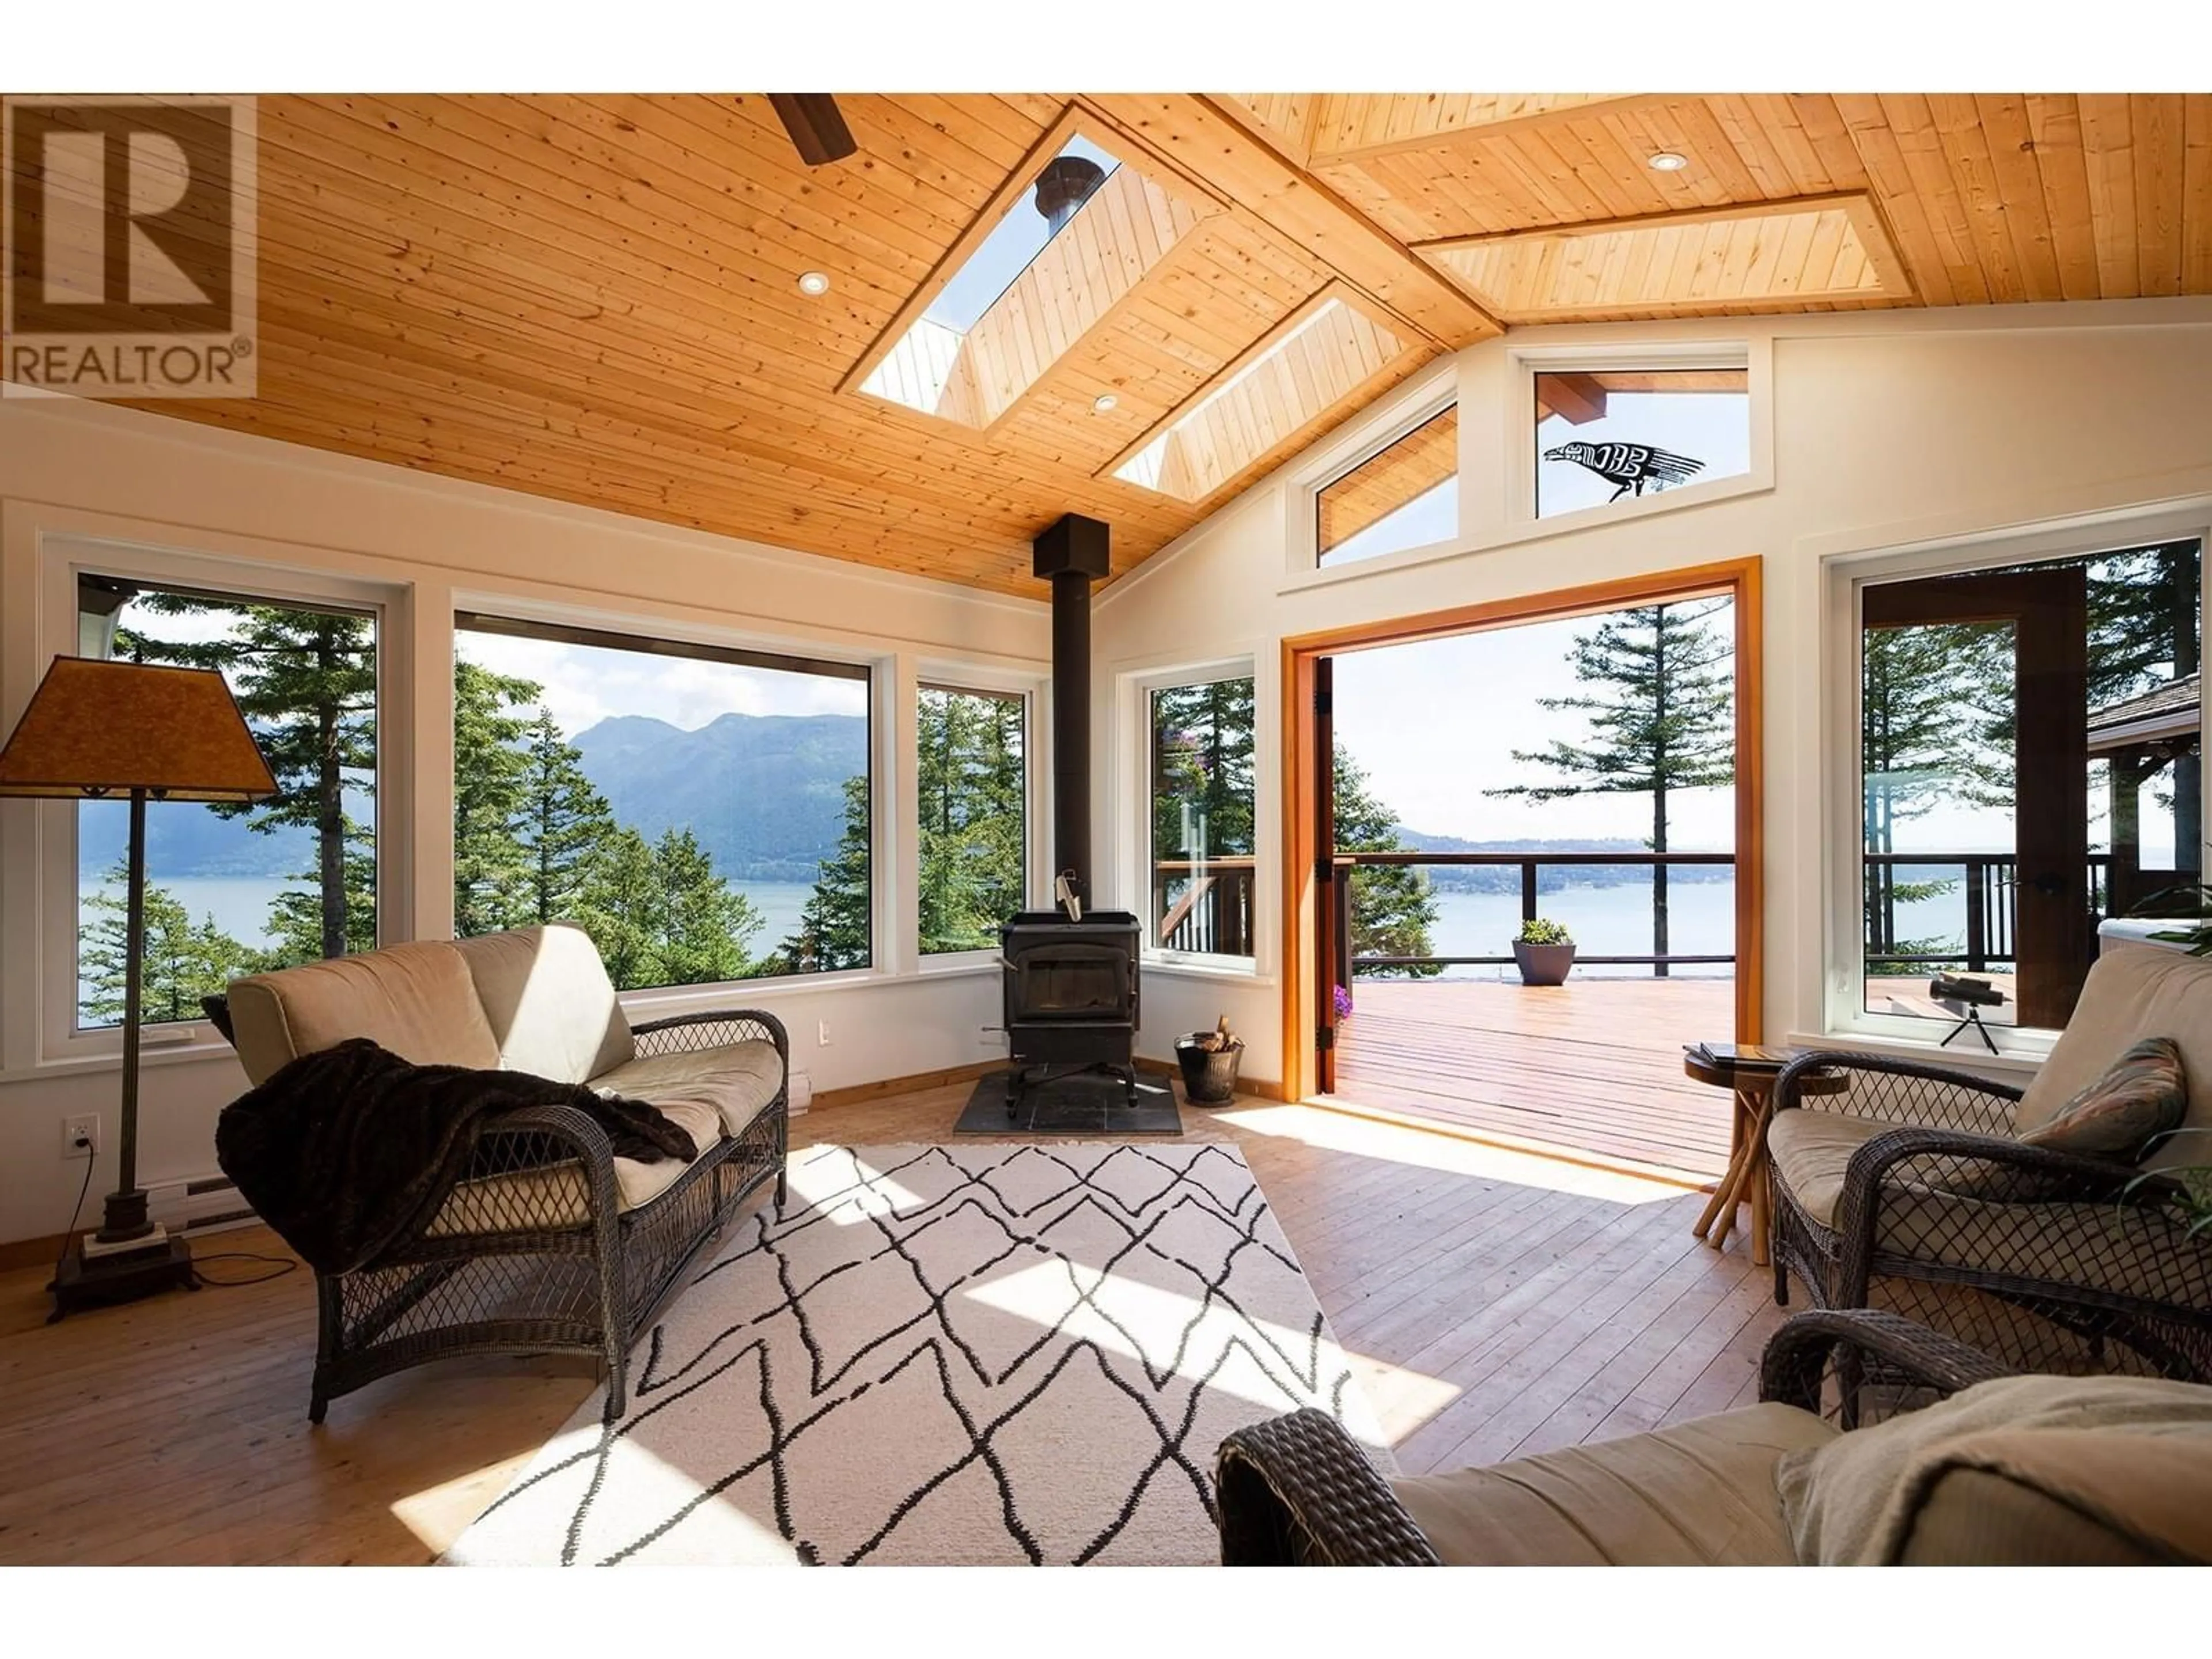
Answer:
[(98, 728)]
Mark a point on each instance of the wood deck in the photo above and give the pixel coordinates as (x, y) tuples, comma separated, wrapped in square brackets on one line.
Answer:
[(1492, 1301), (1592, 1068)]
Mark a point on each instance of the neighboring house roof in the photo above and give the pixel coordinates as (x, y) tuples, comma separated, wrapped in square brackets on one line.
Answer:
[(2168, 711)]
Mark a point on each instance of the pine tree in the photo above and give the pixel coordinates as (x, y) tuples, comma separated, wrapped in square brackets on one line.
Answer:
[(296, 915), (491, 773), (1202, 795), (1663, 725), (563, 822), (182, 962), (834, 931), (969, 789), (306, 681), (621, 908), (1393, 907), (703, 924), (1935, 707)]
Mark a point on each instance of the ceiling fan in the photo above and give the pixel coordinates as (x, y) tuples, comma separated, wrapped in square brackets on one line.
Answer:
[(816, 129)]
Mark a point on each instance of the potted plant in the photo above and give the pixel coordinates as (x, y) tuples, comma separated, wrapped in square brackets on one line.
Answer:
[(1544, 952)]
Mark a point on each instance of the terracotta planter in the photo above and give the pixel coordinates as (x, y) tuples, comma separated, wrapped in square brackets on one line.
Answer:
[(1543, 965)]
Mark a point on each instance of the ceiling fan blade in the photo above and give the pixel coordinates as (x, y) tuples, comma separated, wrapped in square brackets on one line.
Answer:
[(815, 127)]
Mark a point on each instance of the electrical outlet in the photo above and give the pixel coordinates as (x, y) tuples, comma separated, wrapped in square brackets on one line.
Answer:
[(822, 1034), (81, 1135)]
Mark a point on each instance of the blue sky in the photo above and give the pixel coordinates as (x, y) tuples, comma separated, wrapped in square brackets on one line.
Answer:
[(585, 684)]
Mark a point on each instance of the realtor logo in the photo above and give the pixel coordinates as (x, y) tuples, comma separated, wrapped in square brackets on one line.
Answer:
[(129, 247)]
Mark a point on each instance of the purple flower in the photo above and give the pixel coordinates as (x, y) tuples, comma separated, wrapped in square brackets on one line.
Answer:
[(1343, 1003)]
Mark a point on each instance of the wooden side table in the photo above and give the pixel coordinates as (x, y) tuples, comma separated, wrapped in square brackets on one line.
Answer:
[(1748, 1073)]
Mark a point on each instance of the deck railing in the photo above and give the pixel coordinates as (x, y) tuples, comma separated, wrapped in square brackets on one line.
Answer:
[(1529, 864), (1205, 905), (1990, 882)]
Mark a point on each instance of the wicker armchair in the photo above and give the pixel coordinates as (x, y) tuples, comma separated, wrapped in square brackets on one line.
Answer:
[(1907, 1191), (1298, 1491), (548, 1243)]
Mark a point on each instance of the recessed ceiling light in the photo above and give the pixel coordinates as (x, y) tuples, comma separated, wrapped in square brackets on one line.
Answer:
[(1667, 161), (1105, 403), (813, 281)]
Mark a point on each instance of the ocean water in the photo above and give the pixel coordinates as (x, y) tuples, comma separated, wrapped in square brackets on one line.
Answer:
[(239, 905)]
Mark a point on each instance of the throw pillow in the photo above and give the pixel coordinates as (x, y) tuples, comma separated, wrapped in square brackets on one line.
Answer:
[(1853, 1500), (2141, 1097)]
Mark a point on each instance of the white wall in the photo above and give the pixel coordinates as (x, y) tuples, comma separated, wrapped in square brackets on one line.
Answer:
[(70, 470), (1889, 429)]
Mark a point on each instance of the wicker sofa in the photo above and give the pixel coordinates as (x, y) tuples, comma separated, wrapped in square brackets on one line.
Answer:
[(2010, 1478), (1908, 1191), (549, 1243)]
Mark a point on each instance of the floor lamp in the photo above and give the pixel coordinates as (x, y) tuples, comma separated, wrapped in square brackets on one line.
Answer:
[(96, 729)]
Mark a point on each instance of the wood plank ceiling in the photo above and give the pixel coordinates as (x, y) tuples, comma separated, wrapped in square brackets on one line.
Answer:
[(595, 299)]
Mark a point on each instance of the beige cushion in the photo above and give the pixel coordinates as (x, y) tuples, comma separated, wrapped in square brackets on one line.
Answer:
[(1857, 1499), (734, 1081), (1810, 1151), (1700, 1493), (532, 1199), (2134, 992), (1974, 1517), (417, 1000), (550, 1002)]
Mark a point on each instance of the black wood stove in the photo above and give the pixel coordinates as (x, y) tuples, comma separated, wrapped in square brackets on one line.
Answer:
[(1071, 997), (1070, 975)]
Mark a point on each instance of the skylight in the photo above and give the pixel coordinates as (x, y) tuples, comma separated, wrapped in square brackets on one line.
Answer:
[(1312, 363), (1076, 235), (1023, 233)]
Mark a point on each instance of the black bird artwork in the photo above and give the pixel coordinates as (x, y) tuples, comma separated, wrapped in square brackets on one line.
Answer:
[(1630, 465)]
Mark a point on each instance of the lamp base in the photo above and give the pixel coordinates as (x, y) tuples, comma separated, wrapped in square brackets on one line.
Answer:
[(101, 1281)]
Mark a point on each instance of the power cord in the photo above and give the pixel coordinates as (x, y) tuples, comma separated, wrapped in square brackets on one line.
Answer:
[(281, 1264), (69, 1231)]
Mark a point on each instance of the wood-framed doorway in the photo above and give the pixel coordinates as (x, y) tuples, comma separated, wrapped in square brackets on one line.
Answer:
[(1306, 872)]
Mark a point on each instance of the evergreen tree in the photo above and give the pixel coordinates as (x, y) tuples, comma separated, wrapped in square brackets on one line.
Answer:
[(296, 915), (833, 929), (1934, 708), (1202, 791), (703, 924), (1393, 907), (622, 900), (306, 681), (564, 822), (181, 963), (491, 786), (1663, 724), (968, 779)]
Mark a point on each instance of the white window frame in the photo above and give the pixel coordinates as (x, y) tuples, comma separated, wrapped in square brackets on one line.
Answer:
[(1033, 688), (1844, 578), (1136, 693), (1419, 401), (63, 557), (887, 788), (1520, 450)]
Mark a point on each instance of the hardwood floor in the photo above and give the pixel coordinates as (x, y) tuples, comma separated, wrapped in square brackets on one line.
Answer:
[(1496, 1302), (1593, 1067)]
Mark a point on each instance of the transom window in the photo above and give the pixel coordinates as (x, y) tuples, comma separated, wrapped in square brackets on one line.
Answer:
[(1403, 496), (703, 813), (1611, 434)]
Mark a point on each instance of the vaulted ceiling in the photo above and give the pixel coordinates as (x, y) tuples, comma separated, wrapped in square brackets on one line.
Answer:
[(596, 299)]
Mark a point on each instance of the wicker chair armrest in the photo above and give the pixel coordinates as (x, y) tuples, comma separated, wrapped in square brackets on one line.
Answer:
[(716, 1028), (1899, 1092), (533, 1139), (1798, 1355), (1297, 1491)]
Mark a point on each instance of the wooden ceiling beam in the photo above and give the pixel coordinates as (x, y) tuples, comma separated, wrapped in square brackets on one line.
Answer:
[(1197, 137), (1476, 132), (1575, 399)]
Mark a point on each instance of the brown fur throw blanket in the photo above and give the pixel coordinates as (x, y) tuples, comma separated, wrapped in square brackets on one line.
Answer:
[(352, 1149)]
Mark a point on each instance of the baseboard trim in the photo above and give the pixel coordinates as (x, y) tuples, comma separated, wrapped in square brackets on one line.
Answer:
[(34, 1252), (860, 1093)]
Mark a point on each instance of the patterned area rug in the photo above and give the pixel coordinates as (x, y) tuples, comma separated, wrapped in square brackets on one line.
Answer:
[(948, 1354)]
